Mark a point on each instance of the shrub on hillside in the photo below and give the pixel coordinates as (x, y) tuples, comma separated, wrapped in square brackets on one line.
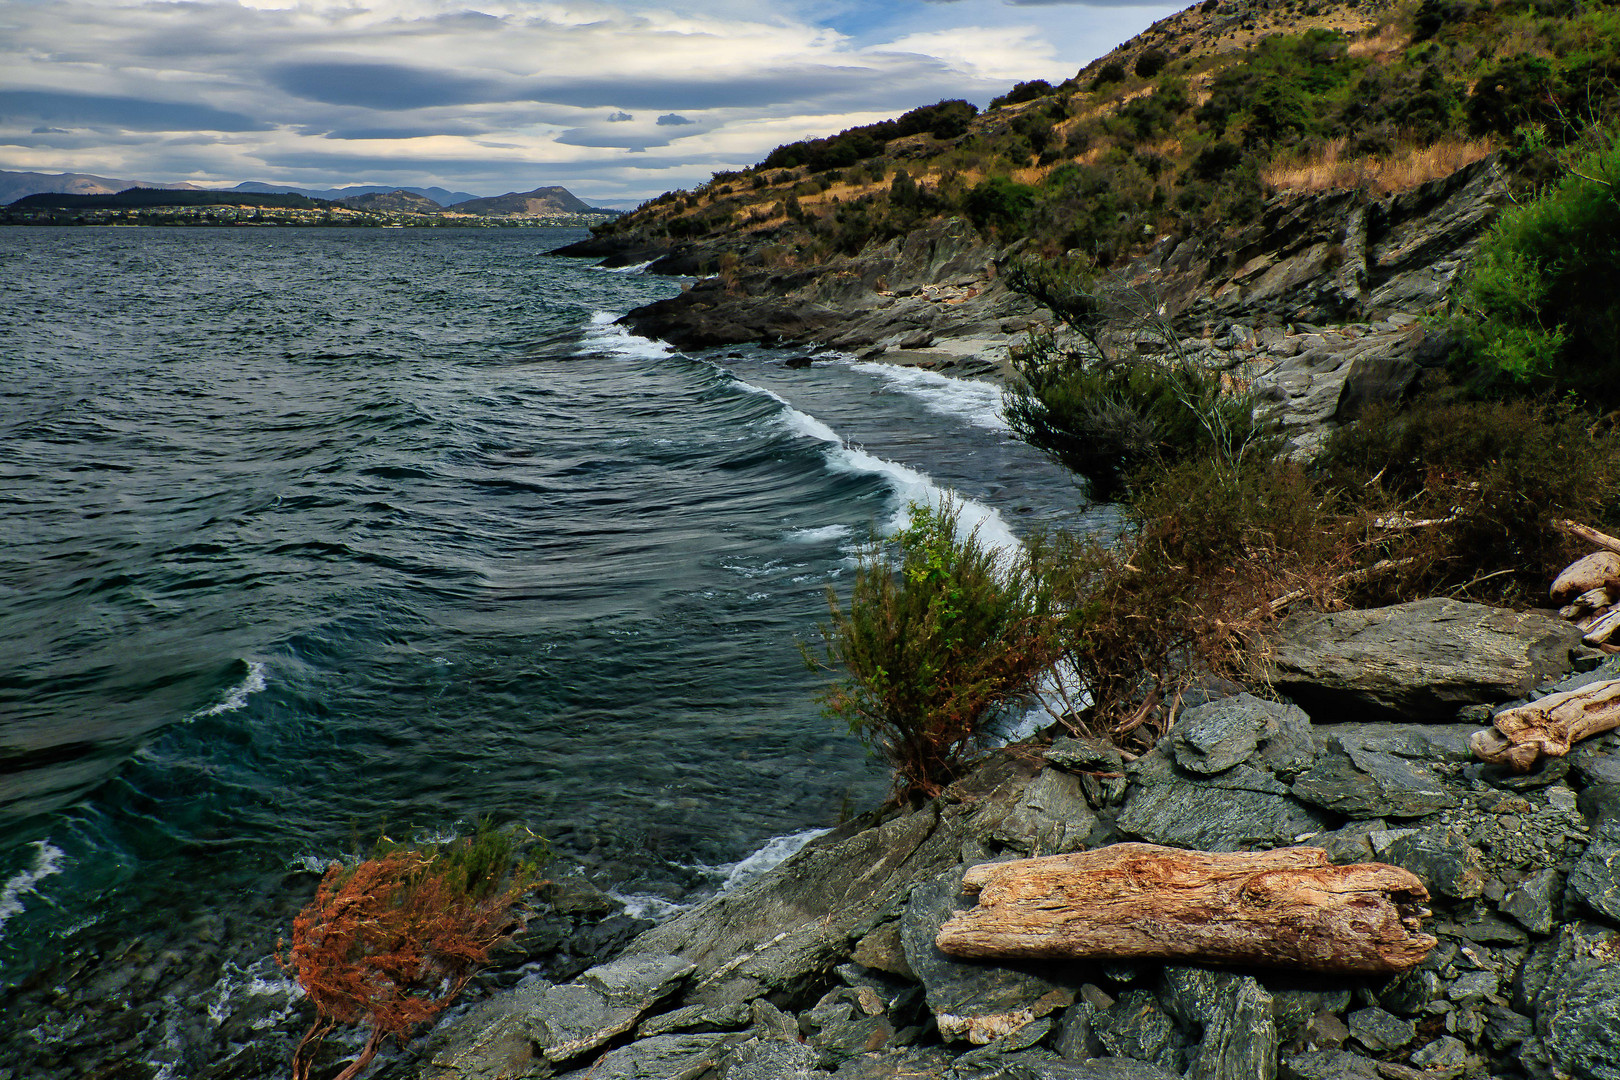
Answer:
[(1543, 290), (941, 633)]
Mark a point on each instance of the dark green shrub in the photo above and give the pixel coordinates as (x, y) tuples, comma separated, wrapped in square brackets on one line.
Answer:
[(941, 633), (1543, 288), (1024, 91), (999, 203), (1111, 72), (1150, 62)]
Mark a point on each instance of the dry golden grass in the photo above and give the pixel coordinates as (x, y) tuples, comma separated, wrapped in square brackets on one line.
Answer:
[(1331, 170), (1388, 39)]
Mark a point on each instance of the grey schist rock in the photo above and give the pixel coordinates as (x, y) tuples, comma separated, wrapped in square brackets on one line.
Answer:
[(1387, 770), (663, 1057), (1214, 737), (1238, 809), (1422, 660), (538, 1026), (976, 1002), (1595, 881)]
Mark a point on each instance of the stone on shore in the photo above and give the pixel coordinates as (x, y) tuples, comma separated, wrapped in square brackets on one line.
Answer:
[(1214, 737), (1239, 809), (978, 1002), (1422, 660)]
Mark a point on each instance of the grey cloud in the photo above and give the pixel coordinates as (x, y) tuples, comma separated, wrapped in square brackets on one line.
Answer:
[(393, 87), (49, 131), (136, 114), (420, 132), (673, 120), (620, 117)]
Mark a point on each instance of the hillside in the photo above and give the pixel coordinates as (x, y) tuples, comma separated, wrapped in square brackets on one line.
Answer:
[(541, 202), (1252, 129), (398, 201), (17, 185)]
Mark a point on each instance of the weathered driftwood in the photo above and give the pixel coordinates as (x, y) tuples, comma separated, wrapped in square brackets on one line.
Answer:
[(1586, 575), (1601, 628), (1286, 908), (1589, 534), (1597, 600), (1519, 737)]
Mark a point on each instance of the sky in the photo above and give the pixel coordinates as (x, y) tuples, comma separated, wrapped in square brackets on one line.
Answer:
[(617, 100)]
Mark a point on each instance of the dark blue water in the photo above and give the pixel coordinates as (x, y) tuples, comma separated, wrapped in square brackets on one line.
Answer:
[(308, 532)]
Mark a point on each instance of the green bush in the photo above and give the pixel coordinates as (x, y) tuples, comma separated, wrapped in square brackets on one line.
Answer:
[(1543, 289), (1105, 411), (941, 633)]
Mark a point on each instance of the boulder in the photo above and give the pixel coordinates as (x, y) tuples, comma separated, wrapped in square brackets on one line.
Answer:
[(1443, 859), (977, 1002), (1534, 904), (1366, 773), (1422, 660), (1240, 1035), (1595, 881), (664, 1057), (1239, 809), (1214, 737)]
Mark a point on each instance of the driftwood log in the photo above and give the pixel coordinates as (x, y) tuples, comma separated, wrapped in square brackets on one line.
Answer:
[(1287, 908), (1590, 535), (1586, 575), (1520, 737)]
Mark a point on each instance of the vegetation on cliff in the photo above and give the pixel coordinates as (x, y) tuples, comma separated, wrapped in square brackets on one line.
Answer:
[(1189, 126)]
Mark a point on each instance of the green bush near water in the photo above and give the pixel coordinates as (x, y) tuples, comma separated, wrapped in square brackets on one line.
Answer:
[(941, 633)]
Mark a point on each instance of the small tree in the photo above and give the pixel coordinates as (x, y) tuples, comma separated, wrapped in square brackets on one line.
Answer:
[(390, 942), (1543, 287), (940, 634)]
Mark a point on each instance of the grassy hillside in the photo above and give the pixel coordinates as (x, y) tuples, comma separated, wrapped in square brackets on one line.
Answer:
[(1190, 125)]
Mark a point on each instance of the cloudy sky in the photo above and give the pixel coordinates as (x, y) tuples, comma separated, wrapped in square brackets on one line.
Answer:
[(617, 99)]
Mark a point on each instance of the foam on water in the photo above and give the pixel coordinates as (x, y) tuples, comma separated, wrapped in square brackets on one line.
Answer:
[(978, 403), (608, 336), (776, 851), (237, 697), (818, 536), (633, 268), (47, 861), (909, 485)]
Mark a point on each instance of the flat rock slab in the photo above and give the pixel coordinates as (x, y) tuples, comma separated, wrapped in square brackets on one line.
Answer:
[(1578, 1008), (974, 1001), (1237, 810), (1394, 776), (1423, 660), (639, 979), (663, 1057), (1595, 881)]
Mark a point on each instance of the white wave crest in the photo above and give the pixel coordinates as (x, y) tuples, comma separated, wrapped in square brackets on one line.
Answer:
[(633, 268), (776, 851), (818, 536), (47, 861), (983, 522), (647, 905), (608, 336), (238, 695), (979, 403)]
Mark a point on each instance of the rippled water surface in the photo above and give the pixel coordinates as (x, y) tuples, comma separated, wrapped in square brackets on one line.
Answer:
[(306, 532)]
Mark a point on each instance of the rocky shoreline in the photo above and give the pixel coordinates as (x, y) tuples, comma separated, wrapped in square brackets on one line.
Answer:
[(827, 966)]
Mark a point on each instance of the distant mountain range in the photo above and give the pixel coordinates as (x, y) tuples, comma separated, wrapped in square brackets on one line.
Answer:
[(540, 202)]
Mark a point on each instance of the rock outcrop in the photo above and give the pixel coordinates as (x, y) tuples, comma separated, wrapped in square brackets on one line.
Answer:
[(827, 966)]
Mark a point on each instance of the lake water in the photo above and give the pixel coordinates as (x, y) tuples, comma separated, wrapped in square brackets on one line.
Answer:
[(309, 533)]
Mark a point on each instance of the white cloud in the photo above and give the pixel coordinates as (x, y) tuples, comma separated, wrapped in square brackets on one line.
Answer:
[(510, 95)]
